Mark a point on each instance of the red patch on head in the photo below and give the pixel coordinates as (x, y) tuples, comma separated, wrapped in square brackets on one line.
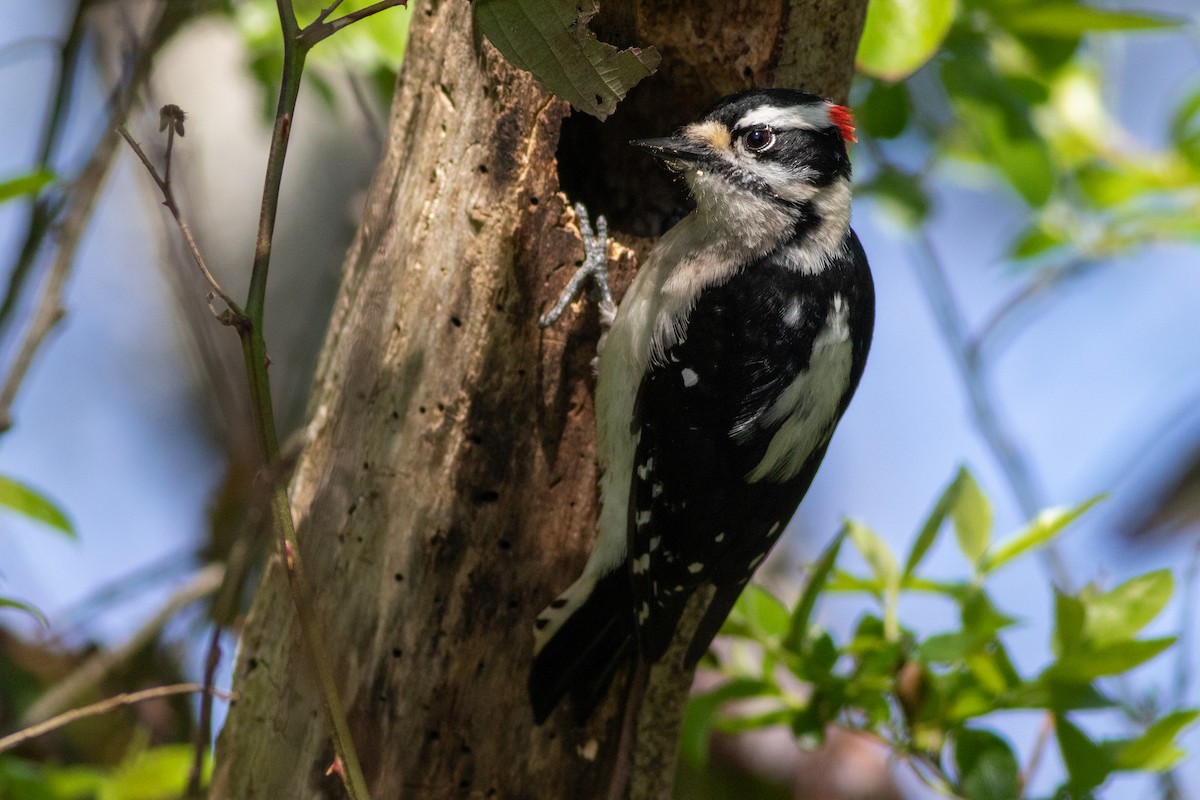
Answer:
[(841, 116)]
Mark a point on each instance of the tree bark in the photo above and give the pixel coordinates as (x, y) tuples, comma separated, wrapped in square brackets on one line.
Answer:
[(447, 489)]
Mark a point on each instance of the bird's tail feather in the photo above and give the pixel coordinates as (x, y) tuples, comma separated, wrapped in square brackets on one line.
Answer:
[(581, 640)]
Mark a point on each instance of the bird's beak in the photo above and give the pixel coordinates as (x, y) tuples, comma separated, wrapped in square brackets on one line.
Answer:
[(679, 152)]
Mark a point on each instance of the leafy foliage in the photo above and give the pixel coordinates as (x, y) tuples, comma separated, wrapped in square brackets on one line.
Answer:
[(929, 697), (1011, 92)]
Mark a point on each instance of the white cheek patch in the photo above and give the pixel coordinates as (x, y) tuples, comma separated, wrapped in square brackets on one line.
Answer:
[(810, 117)]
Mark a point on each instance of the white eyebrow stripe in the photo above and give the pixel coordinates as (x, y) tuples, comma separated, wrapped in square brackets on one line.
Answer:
[(806, 117)]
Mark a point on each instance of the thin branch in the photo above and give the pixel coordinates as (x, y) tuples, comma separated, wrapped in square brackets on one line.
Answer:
[(1039, 750), (320, 29), (97, 668), (996, 435), (236, 316), (103, 707), (204, 729), (1046, 281)]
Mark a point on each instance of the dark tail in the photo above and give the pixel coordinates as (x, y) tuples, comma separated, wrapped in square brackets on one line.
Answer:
[(582, 638)]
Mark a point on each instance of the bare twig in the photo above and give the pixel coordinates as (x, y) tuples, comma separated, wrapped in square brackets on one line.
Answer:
[(320, 28), (1039, 749), (1039, 285), (95, 669), (204, 728), (103, 707), (164, 185), (1030, 499)]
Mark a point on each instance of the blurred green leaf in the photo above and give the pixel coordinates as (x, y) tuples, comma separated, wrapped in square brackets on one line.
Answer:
[(761, 613), (1069, 20), (1057, 697), (972, 515), (818, 577), (987, 768), (1069, 617), (1097, 662), (1185, 128), (1036, 240), (9, 602), (883, 114), (1087, 764), (551, 40), (154, 774), (702, 709), (1042, 530), (900, 196), (901, 35), (30, 503), (1119, 614), (875, 552), (933, 523), (30, 183), (1156, 749)]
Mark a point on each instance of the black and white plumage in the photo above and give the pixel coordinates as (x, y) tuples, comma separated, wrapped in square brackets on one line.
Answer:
[(720, 381)]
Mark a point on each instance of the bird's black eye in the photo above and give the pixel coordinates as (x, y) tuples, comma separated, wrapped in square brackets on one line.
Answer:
[(759, 139)]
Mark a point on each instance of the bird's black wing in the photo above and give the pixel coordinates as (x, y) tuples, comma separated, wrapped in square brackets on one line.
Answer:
[(703, 411)]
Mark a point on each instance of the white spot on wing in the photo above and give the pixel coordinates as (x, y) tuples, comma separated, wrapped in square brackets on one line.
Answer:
[(720, 537), (695, 567), (655, 541), (689, 377), (641, 564), (656, 490), (642, 519), (644, 470)]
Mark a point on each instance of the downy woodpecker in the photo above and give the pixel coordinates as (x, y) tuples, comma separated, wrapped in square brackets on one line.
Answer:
[(720, 380)]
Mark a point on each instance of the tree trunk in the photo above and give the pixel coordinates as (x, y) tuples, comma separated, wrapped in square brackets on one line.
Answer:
[(447, 489)]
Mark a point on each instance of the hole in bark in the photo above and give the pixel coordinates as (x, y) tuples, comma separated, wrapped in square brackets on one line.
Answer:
[(399, 576), (486, 496), (465, 783), (456, 322), (251, 665), (533, 201), (483, 169), (434, 735), (505, 544), (395, 414), (420, 409), (599, 168), (350, 511), (514, 604), (397, 652), (474, 438)]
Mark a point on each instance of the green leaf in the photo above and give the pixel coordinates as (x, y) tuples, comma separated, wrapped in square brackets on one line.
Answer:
[(1090, 663), (1036, 240), (900, 196), (1070, 20), (702, 710), (30, 183), (1119, 614), (972, 514), (152, 774), (876, 553), (1087, 764), (901, 35), (1069, 617), (28, 502), (8, 602), (1155, 750), (884, 113), (818, 577), (933, 523), (1044, 528), (1057, 697), (987, 768), (762, 613), (551, 40)]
